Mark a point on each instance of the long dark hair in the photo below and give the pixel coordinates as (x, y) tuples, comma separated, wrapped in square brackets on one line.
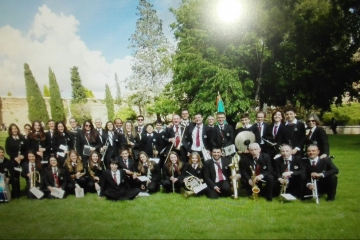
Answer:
[(56, 130), (93, 132), (33, 134), (10, 127)]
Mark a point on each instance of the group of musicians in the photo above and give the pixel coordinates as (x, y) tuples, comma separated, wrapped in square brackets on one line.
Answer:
[(121, 160)]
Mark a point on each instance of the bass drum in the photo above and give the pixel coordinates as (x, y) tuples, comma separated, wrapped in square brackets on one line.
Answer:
[(5, 194), (243, 139)]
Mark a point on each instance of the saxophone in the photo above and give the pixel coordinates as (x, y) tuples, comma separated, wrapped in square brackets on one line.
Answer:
[(234, 166), (255, 189)]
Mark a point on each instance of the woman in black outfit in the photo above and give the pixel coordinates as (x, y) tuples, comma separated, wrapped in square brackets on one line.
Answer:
[(63, 142), (87, 140)]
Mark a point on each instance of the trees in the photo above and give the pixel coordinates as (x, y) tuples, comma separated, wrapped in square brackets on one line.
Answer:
[(36, 103), (78, 90), (118, 91), (151, 52), (56, 103), (109, 101), (46, 91)]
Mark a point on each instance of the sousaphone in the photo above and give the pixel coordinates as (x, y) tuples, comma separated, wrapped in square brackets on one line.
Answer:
[(243, 140)]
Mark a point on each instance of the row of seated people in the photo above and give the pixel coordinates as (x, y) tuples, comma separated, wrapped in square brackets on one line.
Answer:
[(121, 181)]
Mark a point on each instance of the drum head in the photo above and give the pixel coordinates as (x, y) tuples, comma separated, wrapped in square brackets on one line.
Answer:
[(243, 139)]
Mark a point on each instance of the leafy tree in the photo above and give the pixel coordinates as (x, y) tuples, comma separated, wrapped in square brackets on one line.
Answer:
[(78, 90), (36, 103), (109, 101), (151, 52), (81, 112), (89, 93), (46, 91), (138, 100), (126, 113), (118, 91), (164, 105), (56, 103)]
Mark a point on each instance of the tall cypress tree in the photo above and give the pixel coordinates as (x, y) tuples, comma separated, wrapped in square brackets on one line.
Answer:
[(46, 91), (118, 91), (56, 104), (109, 101), (78, 90), (36, 103)]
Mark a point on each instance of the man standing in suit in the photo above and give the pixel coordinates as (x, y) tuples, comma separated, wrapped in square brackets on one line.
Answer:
[(323, 171), (290, 170), (317, 135), (115, 184), (185, 121), (262, 126), (294, 133), (176, 136), (217, 175), (260, 163), (199, 135), (224, 133), (211, 121), (49, 138), (150, 142), (118, 125), (140, 128), (102, 135)]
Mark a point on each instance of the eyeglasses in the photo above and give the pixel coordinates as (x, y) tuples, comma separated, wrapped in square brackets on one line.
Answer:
[(87, 125), (140, 120)]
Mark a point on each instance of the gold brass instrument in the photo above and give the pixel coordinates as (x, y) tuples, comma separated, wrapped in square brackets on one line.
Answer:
[(155, 152), (190, 183), (284, 185), (234, 166), (314, 191), (176, 147), (35, 177), (255, 189), (128, 142)]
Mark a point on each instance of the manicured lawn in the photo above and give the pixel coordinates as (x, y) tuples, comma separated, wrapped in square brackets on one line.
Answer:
[(171, 216)]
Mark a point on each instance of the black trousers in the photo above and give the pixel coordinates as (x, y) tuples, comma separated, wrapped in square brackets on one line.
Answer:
[(225, 190)]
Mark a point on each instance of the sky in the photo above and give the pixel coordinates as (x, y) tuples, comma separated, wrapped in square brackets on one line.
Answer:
[(59, 34)]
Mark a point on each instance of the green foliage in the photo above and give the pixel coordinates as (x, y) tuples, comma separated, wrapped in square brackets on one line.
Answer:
[(109, 101), (164, 105), (56, 103), (89, 93), (9, 94), (139, 100), (344, 115), (118, 99), (46, 91), (205, 218), (78, 90), (81, 112), (36, 103), (126, 113)]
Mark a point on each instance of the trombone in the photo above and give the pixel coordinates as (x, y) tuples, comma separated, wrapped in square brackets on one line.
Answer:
[(176, 147)]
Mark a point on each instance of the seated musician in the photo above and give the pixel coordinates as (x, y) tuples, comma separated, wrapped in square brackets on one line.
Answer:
[(257, 169), (151, 170), (4, 165), (173, 180), (217, 175), (323, 170), (115, 184), (151, 142), (54, 177), (194, 167), (290, 170), (31, 171), (127, 164), (94, 173), (76, 170)]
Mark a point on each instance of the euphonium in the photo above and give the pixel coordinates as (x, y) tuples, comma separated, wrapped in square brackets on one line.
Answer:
[(255, 189), (234, 166)]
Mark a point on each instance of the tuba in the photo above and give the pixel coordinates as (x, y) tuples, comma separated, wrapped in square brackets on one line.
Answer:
[(190, 183), (234, 166), (255, 189)]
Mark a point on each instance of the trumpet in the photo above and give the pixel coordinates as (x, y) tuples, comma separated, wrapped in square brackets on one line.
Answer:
[(314, 191), (255, 189), (234, 166)]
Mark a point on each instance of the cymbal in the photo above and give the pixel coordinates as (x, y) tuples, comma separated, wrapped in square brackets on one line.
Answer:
[(243, 139)]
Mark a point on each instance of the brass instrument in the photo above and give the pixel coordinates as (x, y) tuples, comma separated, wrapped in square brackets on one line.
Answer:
[(148, 175), (176, 147), (35, 177), (234, 166), (103, 152), (5, 194), (154, 151), (190, 183), (284, 185), (314, 191), (255, 189), (205, 154), (128, 142)]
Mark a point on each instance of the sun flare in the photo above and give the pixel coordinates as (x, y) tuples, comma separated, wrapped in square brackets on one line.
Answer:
[(229, 10)]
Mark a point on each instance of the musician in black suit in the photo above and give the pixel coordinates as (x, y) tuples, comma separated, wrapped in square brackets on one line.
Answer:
[(323, 171), (172, 178), (260, 164), (151, 142), (118, 125), (4, 165), (176, 138), (140, 128), (160, 131), (125, 162), (200, 135), (73, 130), (115, 184), (185, 118), (37, 139), (16, 148), (62, 142), (275, 132), (113, 142), (294, 134), (54, 176), (99, 128), (149, 169), (88, 137), (132, 140), (31, 171), (246, 126), (217, 175), (77, 172), (263, 128), (290, 170), (94, 173), (315, 134), (224, 133), (49, 140)]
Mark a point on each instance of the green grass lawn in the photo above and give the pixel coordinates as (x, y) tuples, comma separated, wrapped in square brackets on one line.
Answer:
[(172, 216)]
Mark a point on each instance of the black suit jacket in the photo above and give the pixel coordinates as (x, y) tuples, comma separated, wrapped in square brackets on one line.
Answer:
[(12, 146), (198, 172), (49, 143), (66, 140), (294, 135), (170, 133), (131, 164), (225, 137), (109, 183), (49, 180), (5, 167), (207, 136), (324, 166), (319, 138), (210, 174), (81, 142), (278, 138), (296, 166), (147, 143), (264, 163), (143, 131)]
